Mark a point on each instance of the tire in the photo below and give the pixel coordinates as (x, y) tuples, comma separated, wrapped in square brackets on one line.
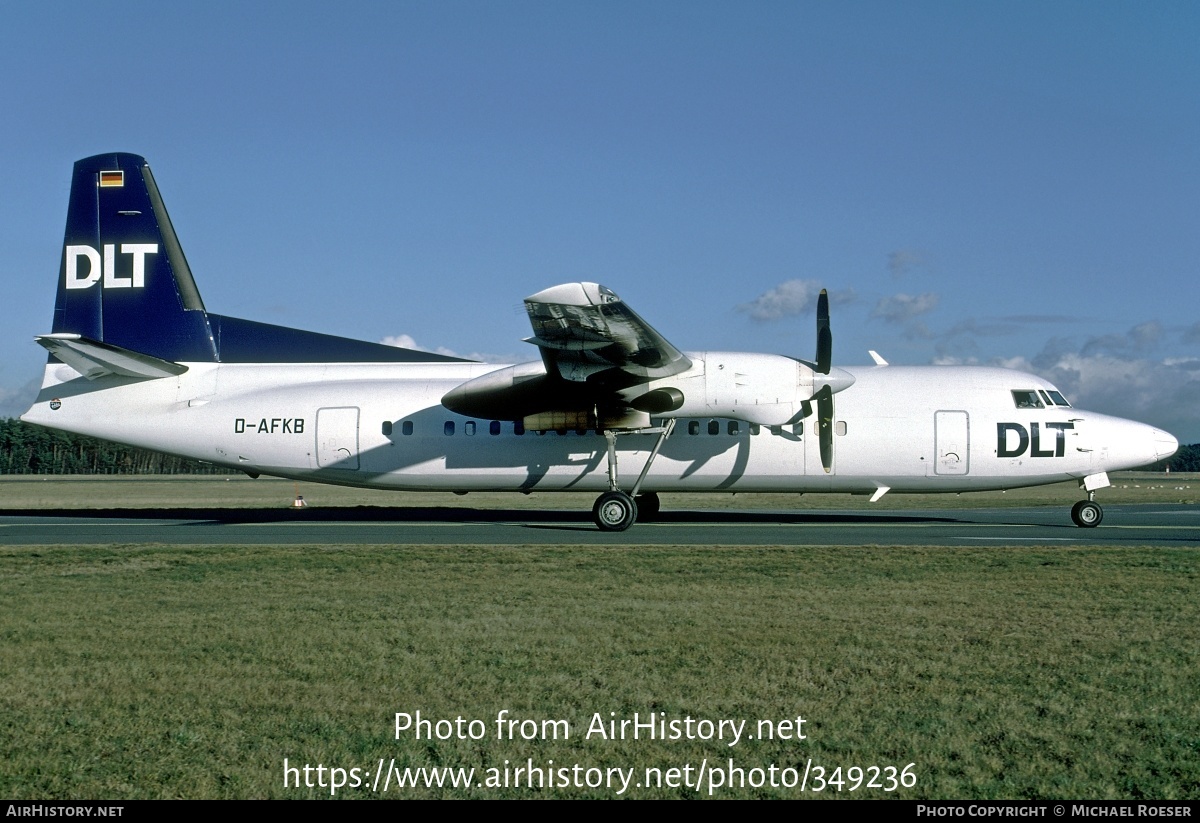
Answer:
[(647, 505), (614, 511), (1087, 514)]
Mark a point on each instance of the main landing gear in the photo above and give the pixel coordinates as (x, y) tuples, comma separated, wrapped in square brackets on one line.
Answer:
[(615, 510), (1087, 514)]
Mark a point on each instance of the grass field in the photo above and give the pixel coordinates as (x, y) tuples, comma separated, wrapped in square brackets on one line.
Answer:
[(132, 671)]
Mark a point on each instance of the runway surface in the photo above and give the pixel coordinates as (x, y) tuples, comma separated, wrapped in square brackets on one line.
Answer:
[(1124, 525)]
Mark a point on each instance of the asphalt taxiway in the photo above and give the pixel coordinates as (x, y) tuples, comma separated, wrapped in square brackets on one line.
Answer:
[(1124, 525)]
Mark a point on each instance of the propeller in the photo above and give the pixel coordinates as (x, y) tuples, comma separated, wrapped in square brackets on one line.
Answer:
[(831, 383), (825, 426), (824, 335)]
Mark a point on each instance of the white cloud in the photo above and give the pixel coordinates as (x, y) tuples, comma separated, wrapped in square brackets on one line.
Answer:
[(903, 307), (1138, 340), (954, 360), (401, 341), (1017, 363), (1163, 393), (406, 341), (790, 298), (903, 261)]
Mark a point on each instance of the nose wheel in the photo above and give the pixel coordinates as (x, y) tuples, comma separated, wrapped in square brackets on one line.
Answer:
[(1087, 514)]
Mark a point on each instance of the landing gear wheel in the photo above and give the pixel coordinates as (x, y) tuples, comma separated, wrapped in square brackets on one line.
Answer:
[(1087, 514), (647, 505), (614, 511)]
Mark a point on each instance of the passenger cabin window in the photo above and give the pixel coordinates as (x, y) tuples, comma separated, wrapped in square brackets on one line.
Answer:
[(1027, 399), (693, 427), (494, 427), (387, 428), (733, 427), (448, 429), (714, 427), (406, 427), (469, 427), (519, 428)]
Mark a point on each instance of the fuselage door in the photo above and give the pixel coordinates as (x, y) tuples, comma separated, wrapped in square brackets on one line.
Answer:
[(337, 438), (952, 442)]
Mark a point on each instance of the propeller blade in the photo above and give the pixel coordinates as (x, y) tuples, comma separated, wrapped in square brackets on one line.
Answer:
[(825, 426), (824, 335)]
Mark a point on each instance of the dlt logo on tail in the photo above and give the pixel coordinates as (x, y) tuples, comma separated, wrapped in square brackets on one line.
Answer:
[(135, 280)]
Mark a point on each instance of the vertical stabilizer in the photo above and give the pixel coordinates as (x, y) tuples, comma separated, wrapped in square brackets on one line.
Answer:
[(123, 279)]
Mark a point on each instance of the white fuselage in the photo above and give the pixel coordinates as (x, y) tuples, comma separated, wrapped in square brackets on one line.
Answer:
[(909, 429)]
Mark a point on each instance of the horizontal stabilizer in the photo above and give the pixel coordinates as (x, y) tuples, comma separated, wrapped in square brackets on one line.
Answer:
[(94, 360)]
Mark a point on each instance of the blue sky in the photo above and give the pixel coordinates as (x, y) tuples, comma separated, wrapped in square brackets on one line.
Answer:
[(990, 182)]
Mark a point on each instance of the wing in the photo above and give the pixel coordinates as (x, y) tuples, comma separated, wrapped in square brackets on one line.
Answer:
[(587, 334), (593, 346)]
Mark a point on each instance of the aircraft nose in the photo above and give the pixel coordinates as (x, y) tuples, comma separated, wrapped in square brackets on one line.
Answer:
[(1165, 444)]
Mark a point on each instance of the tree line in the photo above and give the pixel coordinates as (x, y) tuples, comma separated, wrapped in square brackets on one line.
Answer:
[(1187, 459), (28, 449)]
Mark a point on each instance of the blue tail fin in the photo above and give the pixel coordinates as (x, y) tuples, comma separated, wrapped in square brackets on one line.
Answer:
[(123, 279), (125, 283)]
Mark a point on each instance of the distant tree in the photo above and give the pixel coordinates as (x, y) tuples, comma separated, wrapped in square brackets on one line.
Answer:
[(1187, 459), (29, 449)]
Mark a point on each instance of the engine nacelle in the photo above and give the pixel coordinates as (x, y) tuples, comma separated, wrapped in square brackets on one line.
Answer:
[(767, 389)]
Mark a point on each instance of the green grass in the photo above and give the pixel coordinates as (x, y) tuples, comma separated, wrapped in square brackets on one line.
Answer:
[(158, 671)]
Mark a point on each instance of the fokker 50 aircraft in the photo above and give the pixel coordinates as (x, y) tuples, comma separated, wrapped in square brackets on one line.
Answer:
[(609, 407)]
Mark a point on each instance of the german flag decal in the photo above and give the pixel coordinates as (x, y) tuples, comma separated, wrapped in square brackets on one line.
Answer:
[(112, 178)]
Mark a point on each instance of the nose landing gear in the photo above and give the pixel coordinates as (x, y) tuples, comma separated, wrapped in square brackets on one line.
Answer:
[(1087, 514)]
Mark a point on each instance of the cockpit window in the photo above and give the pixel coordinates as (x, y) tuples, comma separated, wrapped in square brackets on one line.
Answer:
[(1058, 399), (1027, 399)]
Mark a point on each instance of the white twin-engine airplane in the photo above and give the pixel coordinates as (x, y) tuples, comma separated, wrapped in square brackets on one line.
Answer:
[(610, 407)]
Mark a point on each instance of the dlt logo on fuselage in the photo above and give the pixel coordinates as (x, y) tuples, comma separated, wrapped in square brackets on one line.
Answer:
[(135, 280), (1030, 439)]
